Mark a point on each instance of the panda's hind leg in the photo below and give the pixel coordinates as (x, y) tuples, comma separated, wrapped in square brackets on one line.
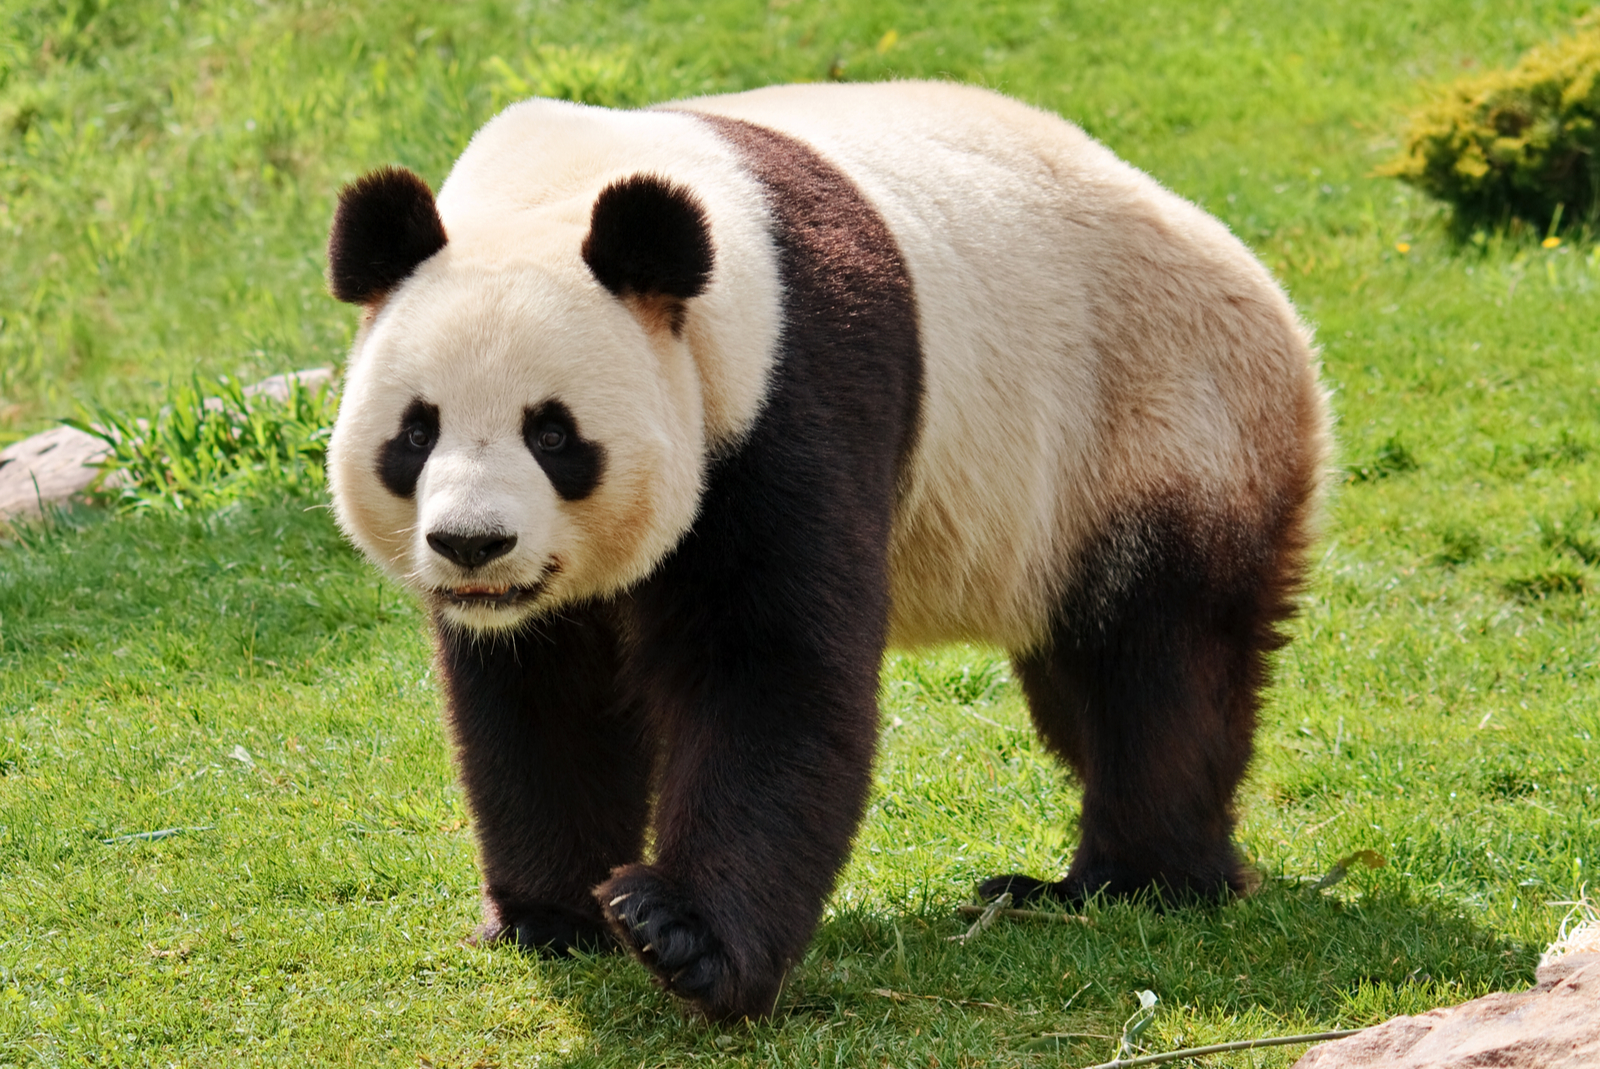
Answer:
[(556, 766), (1148, 687)]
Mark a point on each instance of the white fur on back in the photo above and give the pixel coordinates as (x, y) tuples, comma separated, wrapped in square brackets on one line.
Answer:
[(1092, 341)]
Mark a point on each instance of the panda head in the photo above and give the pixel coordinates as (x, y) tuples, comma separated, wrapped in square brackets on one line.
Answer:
[(521, 422)]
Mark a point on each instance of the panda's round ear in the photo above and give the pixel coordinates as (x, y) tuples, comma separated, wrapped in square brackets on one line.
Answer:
[(649, 240), (386, 224)]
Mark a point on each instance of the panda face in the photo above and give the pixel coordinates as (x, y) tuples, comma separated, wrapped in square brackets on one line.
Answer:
[(513, 438)]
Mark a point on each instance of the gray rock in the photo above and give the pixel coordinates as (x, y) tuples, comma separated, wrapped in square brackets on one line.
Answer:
[(277, 387), (48, 468)]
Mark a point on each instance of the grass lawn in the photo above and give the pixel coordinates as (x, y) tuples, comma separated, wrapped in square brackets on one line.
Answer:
[(166, 177)]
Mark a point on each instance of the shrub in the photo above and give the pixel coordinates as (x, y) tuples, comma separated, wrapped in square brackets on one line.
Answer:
[(1515, 143), (209, 448)]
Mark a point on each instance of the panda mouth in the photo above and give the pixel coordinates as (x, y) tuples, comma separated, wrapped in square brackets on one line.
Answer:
[(496, 595), (490, 595)]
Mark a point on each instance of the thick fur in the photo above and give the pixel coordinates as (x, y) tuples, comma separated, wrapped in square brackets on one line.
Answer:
[(1148, 687), (556, 767), (698, 408)]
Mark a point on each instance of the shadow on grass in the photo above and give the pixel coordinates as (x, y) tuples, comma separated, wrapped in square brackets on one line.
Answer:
[(879, 985)]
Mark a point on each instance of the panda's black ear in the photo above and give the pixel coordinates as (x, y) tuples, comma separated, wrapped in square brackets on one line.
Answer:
[(648, 239), (386, 224)]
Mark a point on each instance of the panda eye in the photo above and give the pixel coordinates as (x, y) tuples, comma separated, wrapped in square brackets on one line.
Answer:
[(570, 461), (402, 458)]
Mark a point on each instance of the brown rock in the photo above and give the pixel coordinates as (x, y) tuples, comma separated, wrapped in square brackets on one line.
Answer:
[(1556, 1025)]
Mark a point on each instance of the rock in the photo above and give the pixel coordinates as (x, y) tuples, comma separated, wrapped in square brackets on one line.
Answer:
[(48, 468), (58, 464), (1555, 971), (277, 387), (1556, 1025)]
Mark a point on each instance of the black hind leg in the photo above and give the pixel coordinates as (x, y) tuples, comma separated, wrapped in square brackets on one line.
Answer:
[(556, 768), (1148, 688)]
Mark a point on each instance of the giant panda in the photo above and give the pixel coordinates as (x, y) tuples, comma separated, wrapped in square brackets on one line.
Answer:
[(674, 419)]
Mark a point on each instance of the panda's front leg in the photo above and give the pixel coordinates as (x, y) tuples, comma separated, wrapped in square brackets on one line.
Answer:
[(556, 769), (762, 789), (768, 722)]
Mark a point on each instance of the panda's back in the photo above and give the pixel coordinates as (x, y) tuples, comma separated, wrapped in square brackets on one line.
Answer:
[(1091, 342)]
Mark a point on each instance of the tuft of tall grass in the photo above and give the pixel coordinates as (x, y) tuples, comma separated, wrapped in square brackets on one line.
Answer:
[(208, 448)]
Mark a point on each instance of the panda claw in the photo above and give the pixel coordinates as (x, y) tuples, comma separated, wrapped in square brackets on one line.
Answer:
[(663, 927)]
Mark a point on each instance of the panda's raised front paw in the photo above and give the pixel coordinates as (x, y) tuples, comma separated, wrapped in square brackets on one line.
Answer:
[(662, 927), (549, 931)]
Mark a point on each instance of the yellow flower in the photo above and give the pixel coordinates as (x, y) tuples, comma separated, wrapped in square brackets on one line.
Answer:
[(1551, 242), (1402, 246)]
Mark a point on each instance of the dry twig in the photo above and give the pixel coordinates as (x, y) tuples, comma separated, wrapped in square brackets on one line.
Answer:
[(1223, 1048), (1341, 868), (901, 996), (1023, 914), (151, 836), (986, 916)]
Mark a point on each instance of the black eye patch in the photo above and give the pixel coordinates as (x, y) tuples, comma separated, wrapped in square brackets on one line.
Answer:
[(401, 459), (572, 463)]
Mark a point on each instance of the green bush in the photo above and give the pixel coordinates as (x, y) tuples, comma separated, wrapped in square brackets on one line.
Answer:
[(210, 447), (1516, 143)]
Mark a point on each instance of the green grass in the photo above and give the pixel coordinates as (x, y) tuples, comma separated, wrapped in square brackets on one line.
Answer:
[(166, 177), (275, 701)]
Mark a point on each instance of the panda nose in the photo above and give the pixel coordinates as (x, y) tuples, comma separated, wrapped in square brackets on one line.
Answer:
[(471, 551)]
